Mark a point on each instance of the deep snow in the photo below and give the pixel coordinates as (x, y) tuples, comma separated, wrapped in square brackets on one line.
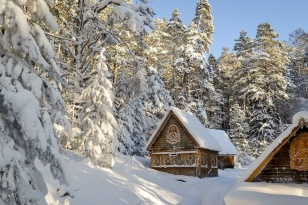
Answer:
[(131, 181)]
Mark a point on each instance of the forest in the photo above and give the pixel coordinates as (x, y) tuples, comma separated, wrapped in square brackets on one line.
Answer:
[(96, 77)]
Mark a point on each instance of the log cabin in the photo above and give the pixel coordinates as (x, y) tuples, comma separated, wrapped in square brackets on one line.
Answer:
[(181, 145), (228, 151), (285, 160)]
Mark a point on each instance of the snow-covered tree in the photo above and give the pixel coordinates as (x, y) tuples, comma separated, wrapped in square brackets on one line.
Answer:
[(196, 80), (214, 106), (297, 75), (98, 125), (241, 76), (268, 87), (29, 102), (156, 100), (238, 133), (227, 65), (123, 113), (90, 27), (129, 113), (204, 21), (159, 54), (188, 79)]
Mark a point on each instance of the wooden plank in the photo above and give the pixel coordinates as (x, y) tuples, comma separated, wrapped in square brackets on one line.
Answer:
[(160, 142), (270, 156)]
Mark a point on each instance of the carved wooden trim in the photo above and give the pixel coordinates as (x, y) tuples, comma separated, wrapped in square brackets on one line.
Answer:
[(173, 135), (299, 153)]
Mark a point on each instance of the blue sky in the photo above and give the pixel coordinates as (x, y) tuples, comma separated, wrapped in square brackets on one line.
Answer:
[(232, 16)]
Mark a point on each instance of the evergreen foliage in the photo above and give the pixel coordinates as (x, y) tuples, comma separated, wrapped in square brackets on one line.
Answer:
[(98, 125), (30, 103), (121, 73)]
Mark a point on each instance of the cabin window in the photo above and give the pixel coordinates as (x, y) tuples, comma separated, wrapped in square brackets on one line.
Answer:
[(214, 161), (173, 135), (299, 153), (204, 160)]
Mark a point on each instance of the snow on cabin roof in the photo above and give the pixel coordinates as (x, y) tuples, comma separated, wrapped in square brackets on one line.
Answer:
[(297, 118), (222, 138), (194, 127)]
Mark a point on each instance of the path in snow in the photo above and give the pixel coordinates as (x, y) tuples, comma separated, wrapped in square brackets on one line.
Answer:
[(132, 182), (211, 191)]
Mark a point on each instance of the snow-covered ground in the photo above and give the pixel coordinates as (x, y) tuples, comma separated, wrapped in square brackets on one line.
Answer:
[(262, 193), (131, 181)]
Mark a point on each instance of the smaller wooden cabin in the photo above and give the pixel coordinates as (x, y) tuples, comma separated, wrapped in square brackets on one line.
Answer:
[(228, 150), (286, 159), (182, 145)]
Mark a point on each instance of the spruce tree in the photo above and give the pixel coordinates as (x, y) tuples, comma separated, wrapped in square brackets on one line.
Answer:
[(129, 113), (98, 125), (204, 22), (214, 105), (268, 87), (30, 103), (227, 64), (238, 134), (297, 75), (156, 100), (175, 31)]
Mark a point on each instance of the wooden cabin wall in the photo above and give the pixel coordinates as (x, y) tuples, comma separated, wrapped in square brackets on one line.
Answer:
[(176, 163), (225, 161), (161, 143), (208, 163), (187, 171), (201, 163), (278, 169), (184, 157), (172, 159)]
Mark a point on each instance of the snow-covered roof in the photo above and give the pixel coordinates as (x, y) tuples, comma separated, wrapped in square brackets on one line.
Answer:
[(263, 193), (222, 138), (201, 135), (298, 118)]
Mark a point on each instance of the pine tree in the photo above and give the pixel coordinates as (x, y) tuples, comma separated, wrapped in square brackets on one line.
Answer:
[(159, 54), (130, 115), (194, 82), (241, 77), (29, 102), (175, 30), (189, 84), (238, 134), (204, 22), (214, 106), (227, 64), (267, 88), (156, 100), (297, 75)]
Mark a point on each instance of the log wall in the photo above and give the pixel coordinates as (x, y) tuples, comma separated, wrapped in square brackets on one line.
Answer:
[(184, 157), (225, 161), (278, 169), (199, 163), (186, 140)]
